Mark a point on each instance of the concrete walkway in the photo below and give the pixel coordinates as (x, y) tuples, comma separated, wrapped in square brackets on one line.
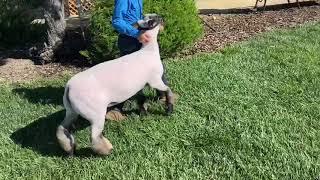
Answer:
[(237, 4)]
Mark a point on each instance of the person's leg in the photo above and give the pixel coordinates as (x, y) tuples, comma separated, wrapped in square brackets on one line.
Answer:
[(128, 45)]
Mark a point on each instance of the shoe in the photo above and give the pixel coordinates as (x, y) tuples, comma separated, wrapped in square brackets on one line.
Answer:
[(115, 115)]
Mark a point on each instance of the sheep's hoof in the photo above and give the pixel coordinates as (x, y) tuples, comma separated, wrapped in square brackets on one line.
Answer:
[(72, 152), (162, 100), (66, 140), (169, 109), (102, 147)]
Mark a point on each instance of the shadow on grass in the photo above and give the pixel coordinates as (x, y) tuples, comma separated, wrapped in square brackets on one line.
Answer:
[(40, 136), (53, 95), (42, 95)]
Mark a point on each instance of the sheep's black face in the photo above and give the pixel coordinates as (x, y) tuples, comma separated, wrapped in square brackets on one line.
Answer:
[(151, 21)]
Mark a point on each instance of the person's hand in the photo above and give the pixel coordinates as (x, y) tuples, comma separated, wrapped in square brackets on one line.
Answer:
[(144, 38)]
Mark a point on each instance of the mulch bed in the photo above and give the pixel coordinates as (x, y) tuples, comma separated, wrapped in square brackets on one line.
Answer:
[(20, 70), (220, 30), (225, 29)]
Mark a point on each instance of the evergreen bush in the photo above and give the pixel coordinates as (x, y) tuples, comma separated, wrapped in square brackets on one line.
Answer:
[(182, 27)]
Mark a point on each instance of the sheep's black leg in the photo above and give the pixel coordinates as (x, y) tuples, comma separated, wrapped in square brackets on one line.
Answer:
[(119, 107), (141, 99), (158, 84), (162, 94), (168, 93), (169, 101)]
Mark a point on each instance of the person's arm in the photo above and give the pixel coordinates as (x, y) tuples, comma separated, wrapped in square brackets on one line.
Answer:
[(119, 24)]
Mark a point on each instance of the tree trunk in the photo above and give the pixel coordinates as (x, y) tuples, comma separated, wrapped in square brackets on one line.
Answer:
[(54, 16)]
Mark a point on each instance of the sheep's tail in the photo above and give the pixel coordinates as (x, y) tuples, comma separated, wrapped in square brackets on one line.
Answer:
[(66, 99)]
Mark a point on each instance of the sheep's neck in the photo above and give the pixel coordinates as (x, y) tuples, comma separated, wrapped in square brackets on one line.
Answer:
[(151, 46)]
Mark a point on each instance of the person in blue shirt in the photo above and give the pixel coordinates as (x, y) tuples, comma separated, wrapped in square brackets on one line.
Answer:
[(125, 15)]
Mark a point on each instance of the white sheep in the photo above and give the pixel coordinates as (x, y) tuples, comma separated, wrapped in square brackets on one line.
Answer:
[(91, 92)]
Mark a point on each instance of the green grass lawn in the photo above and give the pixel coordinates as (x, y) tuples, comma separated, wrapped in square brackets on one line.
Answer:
[(251, 111)]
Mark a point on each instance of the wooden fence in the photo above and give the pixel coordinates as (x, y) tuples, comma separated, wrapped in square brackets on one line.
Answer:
[(71, 8)]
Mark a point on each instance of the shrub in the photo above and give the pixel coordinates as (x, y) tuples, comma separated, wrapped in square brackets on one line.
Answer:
[(15, 18), (182, 27)]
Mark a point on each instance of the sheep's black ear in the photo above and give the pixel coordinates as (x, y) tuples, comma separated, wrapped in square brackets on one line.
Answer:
[(161, 19)]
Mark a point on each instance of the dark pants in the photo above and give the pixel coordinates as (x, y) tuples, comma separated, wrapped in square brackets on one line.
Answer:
[(128, 45)]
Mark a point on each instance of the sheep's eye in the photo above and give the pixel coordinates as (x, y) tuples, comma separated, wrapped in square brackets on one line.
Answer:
[(151, 23)]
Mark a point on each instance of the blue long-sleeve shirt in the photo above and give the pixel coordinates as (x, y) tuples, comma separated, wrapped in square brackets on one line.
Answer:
[(125, 14)]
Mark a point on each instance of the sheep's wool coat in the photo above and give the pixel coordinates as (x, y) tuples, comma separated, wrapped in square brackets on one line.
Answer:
[(117, 80)]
